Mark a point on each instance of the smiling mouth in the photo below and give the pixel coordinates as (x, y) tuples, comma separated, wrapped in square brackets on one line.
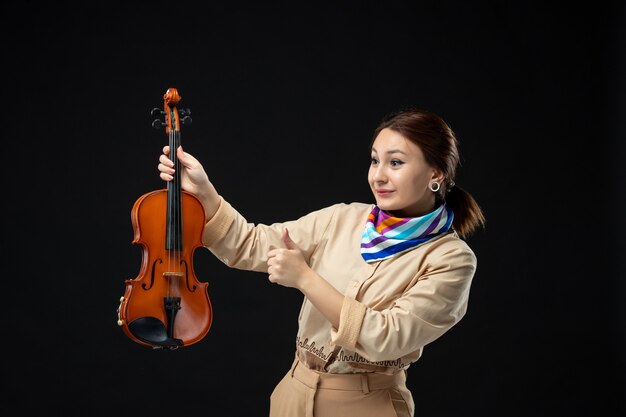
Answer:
[(383, 192)]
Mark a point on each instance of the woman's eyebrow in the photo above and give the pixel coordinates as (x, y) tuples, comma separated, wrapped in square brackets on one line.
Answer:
[(391, 151)]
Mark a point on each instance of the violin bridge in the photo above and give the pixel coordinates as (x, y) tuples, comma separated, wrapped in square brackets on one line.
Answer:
[(173, 274)]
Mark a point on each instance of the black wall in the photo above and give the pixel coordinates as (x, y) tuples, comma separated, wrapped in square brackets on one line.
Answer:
[(284, 100)]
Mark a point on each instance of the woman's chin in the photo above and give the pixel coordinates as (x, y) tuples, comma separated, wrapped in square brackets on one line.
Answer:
[(385, 207)]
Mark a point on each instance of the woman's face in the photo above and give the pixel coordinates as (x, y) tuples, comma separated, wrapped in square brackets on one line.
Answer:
[(399, 176)]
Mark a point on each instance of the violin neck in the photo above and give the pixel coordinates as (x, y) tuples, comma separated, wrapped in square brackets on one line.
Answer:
[(173, 239)]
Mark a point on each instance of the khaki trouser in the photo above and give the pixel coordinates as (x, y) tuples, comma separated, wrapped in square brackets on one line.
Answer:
[(306, 393)]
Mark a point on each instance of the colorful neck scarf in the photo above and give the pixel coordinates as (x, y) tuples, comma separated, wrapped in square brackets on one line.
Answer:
[(386, 236)]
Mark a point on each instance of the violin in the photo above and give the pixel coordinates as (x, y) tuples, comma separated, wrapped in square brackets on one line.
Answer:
[(166, 306)]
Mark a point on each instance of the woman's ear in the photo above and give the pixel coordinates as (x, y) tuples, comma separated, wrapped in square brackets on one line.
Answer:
[(437, 175)]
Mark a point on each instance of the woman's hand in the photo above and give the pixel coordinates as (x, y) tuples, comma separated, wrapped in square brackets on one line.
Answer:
[(193, 178), (287, 266)]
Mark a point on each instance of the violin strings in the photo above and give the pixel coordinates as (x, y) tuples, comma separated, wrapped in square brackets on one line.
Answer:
[(169, 214), (177, 216)]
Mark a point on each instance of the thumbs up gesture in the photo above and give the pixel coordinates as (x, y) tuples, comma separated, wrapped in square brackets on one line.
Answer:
[(286, 265)]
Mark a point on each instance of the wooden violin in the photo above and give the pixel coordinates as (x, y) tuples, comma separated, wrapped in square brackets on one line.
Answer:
[(166, 306)]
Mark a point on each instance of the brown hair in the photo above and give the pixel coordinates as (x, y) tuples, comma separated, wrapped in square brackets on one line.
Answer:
[(440, 147)]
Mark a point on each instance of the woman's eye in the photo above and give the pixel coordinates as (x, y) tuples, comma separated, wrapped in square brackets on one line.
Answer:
[(373, 161), (396, 162)]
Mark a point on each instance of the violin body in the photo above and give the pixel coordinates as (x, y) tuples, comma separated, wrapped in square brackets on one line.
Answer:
[(158, 279), (166, 306)]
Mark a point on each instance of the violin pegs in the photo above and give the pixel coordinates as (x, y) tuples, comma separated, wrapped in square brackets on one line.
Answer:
[(157, 112), (184, 112), (158, 124), (186, 120)]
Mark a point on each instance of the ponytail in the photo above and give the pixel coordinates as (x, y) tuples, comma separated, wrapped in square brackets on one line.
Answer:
[(468, 215)]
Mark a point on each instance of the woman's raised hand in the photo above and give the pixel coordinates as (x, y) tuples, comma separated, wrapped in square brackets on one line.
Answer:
[(193, 178)]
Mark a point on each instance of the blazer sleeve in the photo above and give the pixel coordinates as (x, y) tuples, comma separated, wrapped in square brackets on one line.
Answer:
[(436, 302), (244, 245)]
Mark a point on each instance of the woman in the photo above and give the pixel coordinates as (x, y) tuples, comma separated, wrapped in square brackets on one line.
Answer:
[(380, 281)]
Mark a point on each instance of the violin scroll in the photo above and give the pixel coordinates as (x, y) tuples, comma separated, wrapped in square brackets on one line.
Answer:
[(172, 114), (171, 98)]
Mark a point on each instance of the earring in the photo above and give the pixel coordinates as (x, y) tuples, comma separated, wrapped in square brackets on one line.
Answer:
[(434, 186)]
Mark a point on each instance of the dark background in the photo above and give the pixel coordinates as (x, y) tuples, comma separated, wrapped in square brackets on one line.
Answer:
[(284, 99)]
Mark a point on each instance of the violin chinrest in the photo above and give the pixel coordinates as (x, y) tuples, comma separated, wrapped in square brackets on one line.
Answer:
[(152, 330)]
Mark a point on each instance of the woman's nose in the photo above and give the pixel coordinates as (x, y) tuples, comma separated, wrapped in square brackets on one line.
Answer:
[(378, 174)]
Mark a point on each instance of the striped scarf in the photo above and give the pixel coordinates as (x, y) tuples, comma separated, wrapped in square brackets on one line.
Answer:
[(386, 236)]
